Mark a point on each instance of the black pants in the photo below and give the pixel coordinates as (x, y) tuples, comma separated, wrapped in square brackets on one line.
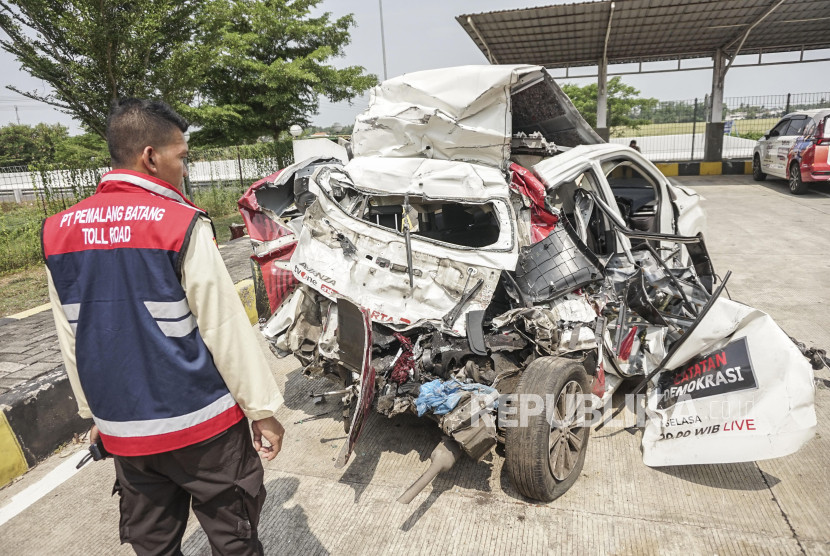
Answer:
[(222, 476)]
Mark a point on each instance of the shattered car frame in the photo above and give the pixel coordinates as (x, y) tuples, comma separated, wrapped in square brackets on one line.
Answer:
[(485, 260)]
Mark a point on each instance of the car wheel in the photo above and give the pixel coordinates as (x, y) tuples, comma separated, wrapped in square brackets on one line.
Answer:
[(545, 457), (757, 174), (797, 185)]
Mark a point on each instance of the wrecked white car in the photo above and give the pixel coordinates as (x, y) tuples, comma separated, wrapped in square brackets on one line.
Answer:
[(480, 257)]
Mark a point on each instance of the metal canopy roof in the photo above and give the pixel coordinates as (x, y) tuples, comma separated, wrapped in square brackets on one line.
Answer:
[(648, 30)]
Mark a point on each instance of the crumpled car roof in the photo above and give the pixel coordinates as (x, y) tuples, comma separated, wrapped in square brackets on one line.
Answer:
[(466, 113), (430, 179)]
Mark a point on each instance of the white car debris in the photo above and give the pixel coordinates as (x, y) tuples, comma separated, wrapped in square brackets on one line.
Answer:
[(483, 259)]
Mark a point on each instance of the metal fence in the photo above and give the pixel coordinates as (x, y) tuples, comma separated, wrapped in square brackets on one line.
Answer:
[(240, 165), (236, 167), (675, 130), (668, 131), (26, 183)]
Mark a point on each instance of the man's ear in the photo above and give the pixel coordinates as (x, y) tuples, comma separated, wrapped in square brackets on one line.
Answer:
[(148, 159)]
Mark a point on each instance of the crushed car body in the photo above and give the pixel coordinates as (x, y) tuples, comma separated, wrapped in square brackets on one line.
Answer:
[(483, 259)]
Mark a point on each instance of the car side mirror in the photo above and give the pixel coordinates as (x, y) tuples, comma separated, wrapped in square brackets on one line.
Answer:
[(766, 136)]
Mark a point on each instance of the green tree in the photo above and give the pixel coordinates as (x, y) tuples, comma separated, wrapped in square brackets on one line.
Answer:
[(82, 151), (92, 52), (273, 64), (625, 107), (673, 111), (21, 145)]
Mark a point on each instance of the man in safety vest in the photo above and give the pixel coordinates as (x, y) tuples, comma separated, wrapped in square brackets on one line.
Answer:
[(158, 348)]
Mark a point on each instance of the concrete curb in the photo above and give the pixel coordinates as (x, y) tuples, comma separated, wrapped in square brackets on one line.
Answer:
[(671, 169), (40, 415), (35, 419)]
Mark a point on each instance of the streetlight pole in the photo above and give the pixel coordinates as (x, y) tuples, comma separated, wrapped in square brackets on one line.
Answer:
[(382, 39)]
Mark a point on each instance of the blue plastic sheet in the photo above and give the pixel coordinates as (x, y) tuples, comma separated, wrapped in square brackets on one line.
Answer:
[(442, 397)]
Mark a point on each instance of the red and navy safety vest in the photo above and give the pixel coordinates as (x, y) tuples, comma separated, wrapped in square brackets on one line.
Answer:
[(115, 258)]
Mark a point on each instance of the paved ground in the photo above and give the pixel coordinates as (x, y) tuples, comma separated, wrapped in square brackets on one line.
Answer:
[(776, 245), (28, 349)]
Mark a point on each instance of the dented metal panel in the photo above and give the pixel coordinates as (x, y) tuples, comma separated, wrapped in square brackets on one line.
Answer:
[(427, 115), (436, 179), (466, 114), (738, 390), (376, 278)]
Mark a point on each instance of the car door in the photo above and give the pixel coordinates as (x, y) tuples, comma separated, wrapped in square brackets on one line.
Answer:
[(794, 136), (648, 202), (635, 191), (770, 162), (787, 141)]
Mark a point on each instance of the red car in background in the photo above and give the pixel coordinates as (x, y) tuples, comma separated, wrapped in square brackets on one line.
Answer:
[(796, 149)]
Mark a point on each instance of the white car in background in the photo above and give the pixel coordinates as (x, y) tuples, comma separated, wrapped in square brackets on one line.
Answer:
[(797, 149)]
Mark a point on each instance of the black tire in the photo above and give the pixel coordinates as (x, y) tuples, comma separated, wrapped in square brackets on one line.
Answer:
[(757, 174), (543, 459), (797, 185)]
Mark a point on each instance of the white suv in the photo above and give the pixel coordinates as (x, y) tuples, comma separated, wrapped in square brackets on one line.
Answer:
[(796, 149)]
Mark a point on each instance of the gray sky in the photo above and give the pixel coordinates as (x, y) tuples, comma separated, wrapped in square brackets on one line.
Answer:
[(424, 35)]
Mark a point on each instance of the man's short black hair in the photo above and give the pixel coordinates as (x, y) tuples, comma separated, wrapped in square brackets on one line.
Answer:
[(135, 123)]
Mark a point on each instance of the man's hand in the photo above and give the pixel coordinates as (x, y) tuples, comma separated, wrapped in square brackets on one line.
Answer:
[(273, 432), (93, 434)]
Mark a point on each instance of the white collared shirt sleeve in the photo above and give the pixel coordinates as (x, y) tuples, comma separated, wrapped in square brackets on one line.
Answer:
[(66, 341), (225, 328)]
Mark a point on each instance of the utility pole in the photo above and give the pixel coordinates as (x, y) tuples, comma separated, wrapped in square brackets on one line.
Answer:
[(382, 40), (17, 114)]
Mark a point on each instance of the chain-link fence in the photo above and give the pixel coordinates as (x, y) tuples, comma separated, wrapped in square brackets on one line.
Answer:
[(56, 188), (675, 130)]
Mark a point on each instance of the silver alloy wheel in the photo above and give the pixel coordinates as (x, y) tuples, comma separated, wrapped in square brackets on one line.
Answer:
[(795, 178), (567, 431)]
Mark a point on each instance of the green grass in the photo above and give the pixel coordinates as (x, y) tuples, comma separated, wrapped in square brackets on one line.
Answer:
[(222, 225), (22, 275), (218, 201), (761, 125), (19, 236), (23, 290), (221, 205)]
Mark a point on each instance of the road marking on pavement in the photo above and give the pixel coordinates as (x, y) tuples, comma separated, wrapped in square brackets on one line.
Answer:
[(47, 484), (821, 193), (30, 312)]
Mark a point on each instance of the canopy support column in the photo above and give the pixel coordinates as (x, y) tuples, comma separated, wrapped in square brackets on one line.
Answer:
[(602, 100), (713, 150), (602, 82)]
